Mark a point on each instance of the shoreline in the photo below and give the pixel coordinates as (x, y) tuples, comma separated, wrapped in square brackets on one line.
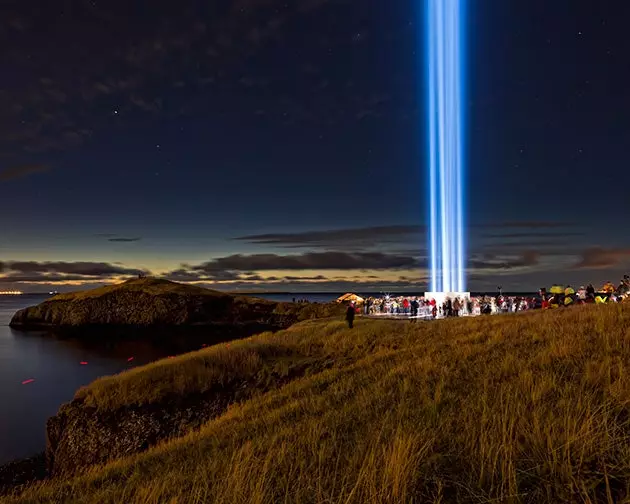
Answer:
[(22, 472)]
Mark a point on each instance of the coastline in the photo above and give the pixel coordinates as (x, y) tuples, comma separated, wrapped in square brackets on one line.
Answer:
[(22, 472)]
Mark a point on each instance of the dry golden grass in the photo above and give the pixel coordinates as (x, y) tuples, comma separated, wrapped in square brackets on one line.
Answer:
[(517, 408), (154, 286)]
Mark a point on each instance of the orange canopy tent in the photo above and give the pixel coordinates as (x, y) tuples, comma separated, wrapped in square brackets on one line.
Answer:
[(350, 298)]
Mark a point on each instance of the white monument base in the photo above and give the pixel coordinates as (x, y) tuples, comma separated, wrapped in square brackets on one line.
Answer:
[(440, 297)]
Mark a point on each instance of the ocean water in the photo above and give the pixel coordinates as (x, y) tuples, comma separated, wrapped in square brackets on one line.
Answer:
[(55, 367)]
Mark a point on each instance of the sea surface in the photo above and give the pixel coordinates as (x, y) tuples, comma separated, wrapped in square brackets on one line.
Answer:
[(55, 367)]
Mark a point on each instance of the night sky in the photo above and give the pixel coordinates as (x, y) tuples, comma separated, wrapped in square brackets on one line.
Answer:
[(280, 145)]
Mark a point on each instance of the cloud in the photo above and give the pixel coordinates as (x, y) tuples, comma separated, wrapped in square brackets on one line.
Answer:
[(495, 262), (601, 258), (335, 238), (309, 261), (533, 234), (81, 268), (238, 268), (531, 224), (22, 171), (184, 274), (304, 278), (124, 240), (54, 278)]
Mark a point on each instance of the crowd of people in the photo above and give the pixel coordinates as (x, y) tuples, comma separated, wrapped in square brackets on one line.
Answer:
[(558, 296)]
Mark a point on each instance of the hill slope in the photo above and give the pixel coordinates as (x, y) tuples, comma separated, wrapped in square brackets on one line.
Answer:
[(518, 408), (149, 302)]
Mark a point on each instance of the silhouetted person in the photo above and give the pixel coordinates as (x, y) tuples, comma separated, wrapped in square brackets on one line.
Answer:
[(448, 308), (455, 307), (414, 308), (350, 316)]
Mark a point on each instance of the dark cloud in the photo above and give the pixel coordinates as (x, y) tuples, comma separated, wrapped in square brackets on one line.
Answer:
[(368, 237), (186, 275), (304, 278), (551, 234), (243, 268), (531, 224), (336, 237), (538, 244), (495, 262), (309, 261), (82, 268), (124, 240), (22, 171), (601, 258), (53, 278)]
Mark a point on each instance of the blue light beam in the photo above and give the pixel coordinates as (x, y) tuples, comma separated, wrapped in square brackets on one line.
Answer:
[(445, 74)]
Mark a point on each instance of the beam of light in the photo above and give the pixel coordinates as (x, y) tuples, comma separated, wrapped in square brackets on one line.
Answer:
[(445, 94)]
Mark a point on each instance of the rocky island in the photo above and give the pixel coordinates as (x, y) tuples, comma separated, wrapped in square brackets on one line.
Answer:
[(155, 303)]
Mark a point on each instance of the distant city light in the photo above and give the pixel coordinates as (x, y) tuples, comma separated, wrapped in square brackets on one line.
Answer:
[(11, 293), (445, 63)]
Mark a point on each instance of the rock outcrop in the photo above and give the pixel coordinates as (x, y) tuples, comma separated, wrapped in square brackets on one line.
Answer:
[(79, 436), (154, 303)]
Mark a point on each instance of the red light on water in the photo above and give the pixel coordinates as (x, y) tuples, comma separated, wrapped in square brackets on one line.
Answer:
[(30, 380), (130, 359), (83, 363)]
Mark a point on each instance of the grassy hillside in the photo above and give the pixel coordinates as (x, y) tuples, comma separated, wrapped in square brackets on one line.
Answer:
[(519, 408), (149, 285)]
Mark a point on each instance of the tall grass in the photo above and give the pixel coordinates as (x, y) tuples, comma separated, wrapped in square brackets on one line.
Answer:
[(525, 408)]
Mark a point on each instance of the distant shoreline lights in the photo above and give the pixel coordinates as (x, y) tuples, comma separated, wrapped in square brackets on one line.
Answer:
[(11, 293)]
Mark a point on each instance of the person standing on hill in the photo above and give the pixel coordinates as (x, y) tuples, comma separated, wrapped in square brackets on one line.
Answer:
[(350, 315)]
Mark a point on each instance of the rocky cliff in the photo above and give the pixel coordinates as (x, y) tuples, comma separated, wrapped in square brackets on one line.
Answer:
[(80, 436), (126, 414)]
